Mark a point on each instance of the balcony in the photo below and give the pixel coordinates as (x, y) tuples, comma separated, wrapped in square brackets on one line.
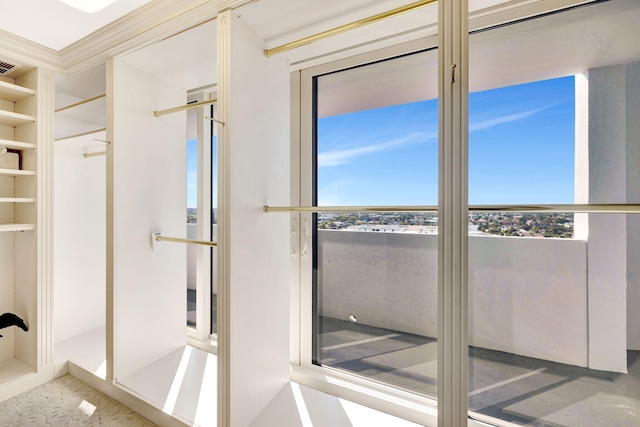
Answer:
[(529, 317)]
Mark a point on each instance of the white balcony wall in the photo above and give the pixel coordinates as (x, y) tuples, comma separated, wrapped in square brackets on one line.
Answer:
[(388, 280), (79, 215), (527, 296)]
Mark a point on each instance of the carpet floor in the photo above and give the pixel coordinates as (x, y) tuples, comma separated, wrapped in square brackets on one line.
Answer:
[(67, 401)]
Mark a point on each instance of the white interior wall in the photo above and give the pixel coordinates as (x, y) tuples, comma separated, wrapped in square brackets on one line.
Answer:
[(253, 256), (79, 249), (149, 195)]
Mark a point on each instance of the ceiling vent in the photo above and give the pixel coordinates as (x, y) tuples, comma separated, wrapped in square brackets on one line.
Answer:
[(7, 68)]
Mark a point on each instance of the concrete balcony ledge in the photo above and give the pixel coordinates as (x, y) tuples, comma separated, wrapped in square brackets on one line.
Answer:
[(527, 296)]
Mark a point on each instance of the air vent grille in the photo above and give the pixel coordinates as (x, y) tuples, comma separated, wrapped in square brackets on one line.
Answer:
[(7, 68)]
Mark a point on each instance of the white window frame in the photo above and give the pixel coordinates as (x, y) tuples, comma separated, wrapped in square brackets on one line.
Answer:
[(411, 406), (200, 336)]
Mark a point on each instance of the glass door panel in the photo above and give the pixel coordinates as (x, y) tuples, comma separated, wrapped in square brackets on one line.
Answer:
[(553, 296), (375, 273)]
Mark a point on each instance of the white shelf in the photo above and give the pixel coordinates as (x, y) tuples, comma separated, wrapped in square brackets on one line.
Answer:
[(16, 145), (14, 93), (8, 118), (16, 172), (16, 227), (17, 199), (12, 370)]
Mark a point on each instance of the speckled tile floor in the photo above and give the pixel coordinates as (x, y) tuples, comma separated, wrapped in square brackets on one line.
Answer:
[(67, 401)]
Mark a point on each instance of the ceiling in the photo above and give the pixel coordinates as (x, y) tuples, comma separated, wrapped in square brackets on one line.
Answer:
[(55, 25)]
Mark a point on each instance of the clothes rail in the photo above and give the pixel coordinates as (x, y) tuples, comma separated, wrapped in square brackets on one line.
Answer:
[(86, 101), (184, 107), (348, 27), (83, 134), (157, 237), (629, 208), (99, 153)]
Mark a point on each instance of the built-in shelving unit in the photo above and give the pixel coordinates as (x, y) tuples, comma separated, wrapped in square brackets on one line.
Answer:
[(16, 144), (14, 93), (17, 199), (16, 172), (26, 130), (17, 227), (7, 118)]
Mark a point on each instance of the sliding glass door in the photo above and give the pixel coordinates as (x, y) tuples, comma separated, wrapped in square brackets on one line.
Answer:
[(375, 273), (470, 227), (553, 287)]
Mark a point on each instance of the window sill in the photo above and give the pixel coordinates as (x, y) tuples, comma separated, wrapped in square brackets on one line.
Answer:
[(401, 404), (209, 345)]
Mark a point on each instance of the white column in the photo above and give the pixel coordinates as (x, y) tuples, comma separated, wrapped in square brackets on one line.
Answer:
[(253, 251), (633, 196), (607, 237)]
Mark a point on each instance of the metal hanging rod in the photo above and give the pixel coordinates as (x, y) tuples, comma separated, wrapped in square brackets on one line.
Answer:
[(348, 27), (269, 209), (96, 154), (160, 238), (214, 119), (628, 208), (83, 134), (86, 101), (184, 107)]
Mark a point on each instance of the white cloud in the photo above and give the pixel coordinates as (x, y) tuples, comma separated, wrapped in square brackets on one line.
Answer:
[(486, 124), (340, 157)]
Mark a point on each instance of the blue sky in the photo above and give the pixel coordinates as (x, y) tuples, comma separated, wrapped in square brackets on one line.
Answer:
[(521, 150), (192, 173)]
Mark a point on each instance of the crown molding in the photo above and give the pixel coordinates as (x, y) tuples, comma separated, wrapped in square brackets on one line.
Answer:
[(23, 51), (155, 21)]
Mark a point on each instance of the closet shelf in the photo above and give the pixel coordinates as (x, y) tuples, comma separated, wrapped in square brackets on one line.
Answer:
[(16, 145), (17, 199), (16, 227), (8, 118), (14, 93), (13, 369), (16, 172)]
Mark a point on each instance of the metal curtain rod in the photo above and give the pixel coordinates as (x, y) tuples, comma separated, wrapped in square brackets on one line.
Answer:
[(629, 208), (160, 238), (99, 153), (86, 101), (183, 107), (348, 27)]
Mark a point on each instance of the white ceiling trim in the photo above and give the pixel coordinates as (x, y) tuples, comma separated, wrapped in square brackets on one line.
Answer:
[(152, 22), (15, 48)]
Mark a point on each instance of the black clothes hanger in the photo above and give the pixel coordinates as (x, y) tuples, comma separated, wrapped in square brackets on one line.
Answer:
[(10, 319)]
